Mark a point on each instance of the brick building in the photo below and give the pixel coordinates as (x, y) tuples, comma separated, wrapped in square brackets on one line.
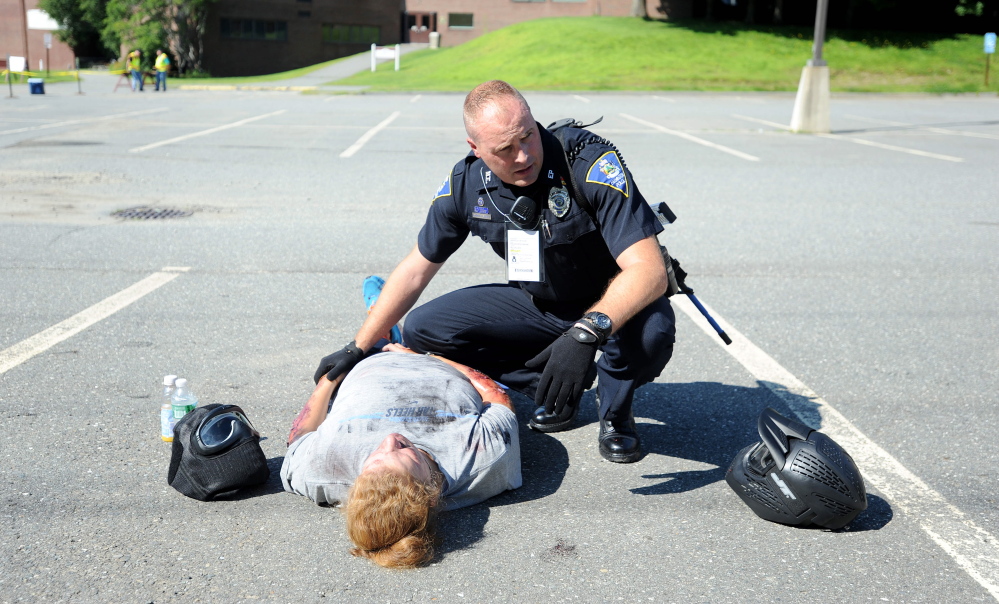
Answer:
[(20, 36), (251, 37), (459, 21)]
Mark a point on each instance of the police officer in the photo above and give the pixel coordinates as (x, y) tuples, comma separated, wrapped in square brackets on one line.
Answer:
[(584, 275)]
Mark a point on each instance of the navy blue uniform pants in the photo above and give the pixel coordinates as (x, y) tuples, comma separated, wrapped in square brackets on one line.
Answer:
[(497, 328)]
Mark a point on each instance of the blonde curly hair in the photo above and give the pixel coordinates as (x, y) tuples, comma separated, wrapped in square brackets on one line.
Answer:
[(391, 518)]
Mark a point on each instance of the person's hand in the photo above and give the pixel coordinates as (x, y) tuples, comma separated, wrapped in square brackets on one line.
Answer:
[(397, 348), (566, 361), (339, 363)]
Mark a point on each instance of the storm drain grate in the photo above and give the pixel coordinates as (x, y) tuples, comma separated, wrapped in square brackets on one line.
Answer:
[(147, 213)]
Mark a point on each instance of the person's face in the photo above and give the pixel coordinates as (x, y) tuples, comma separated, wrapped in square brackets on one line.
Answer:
[(506, 138), (398, 454)]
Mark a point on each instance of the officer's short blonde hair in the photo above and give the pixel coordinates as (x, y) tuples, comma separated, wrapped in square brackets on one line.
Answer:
[(484, 95)]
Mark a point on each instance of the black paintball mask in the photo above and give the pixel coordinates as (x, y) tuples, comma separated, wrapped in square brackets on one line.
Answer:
[(797, 476), (216, 452)]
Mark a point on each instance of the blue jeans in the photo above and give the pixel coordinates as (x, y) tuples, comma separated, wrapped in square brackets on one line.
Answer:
[(136, 79), (161, 78)]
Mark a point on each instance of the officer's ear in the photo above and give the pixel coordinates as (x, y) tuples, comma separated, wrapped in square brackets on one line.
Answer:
[(471, 144)]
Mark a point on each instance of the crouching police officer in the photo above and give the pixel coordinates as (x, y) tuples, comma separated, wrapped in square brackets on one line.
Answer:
[(584, 274)]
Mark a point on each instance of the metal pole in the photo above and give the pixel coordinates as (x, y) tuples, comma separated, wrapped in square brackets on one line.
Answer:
[(79, 90), (48, 68), (24, 25), (10, 80), (987, 70), (821, 8)]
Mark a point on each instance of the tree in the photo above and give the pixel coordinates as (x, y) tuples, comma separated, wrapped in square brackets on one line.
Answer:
[(178, 25), (80, 23), (133, 24), (185, 31), (638, 9)]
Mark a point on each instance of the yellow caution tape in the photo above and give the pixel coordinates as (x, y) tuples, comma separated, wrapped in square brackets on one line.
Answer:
[(38, 73)]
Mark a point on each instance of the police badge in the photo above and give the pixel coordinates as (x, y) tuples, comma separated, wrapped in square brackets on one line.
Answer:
[(559, 201)]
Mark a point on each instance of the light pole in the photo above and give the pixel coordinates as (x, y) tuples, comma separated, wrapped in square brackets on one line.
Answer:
[(811, 105), (24, 32)]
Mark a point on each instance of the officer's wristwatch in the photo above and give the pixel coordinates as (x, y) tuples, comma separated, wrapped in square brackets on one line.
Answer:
[(598, 323)]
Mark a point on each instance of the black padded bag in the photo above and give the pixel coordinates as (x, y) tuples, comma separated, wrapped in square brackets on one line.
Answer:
[(207, 477)]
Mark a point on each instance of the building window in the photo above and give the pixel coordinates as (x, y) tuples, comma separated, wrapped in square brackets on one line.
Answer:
[(350, 34), (304, 13), (459, 20), (254, 29)]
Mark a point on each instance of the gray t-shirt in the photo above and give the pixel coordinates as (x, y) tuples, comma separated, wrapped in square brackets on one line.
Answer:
[(429, 402)]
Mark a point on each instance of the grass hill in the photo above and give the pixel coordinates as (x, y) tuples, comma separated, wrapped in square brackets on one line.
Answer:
[(614, 53)]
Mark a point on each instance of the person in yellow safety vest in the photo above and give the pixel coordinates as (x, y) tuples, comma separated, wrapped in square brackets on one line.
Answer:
[(134, 65), (162, 67)]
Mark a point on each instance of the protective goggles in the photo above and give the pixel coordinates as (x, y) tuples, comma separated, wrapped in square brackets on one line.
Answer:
[(222, 429)]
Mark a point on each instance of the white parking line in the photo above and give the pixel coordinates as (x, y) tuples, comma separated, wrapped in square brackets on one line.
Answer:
[(416, 98), (84, 120), (861, 141), (43, 340), (927, 128), (972, 547), (759, 121), (204, 132), (351, 150), (692, 138), (581, 98)]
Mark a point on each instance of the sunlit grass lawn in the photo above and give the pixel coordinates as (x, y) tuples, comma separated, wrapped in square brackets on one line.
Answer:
[(611, 53)]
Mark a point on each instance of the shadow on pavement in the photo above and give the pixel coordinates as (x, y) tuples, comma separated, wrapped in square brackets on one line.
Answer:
[(709, 422)]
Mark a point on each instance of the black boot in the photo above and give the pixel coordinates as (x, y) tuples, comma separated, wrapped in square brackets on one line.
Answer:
[(619, 440), (551, 422)]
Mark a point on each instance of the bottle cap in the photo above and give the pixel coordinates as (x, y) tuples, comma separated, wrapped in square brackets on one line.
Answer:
[(180, 383), (168, 380)]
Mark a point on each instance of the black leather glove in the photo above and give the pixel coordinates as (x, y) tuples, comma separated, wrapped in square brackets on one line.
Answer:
[(567, 361), (339, 363)]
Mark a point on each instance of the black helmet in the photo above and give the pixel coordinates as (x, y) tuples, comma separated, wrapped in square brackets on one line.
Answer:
[(797, 476)]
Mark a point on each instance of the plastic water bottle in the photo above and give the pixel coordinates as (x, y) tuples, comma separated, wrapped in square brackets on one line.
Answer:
[(166, 409), (184, 400)]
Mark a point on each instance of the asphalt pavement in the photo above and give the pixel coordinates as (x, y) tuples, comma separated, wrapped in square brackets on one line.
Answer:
[(863, 265)]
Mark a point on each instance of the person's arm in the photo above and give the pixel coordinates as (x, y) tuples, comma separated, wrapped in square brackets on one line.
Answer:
[(642, 279), (400, 293), (489, 391), (315, 410), (566, 361)]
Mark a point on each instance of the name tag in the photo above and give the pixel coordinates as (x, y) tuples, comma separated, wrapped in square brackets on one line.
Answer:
[(523, 255)]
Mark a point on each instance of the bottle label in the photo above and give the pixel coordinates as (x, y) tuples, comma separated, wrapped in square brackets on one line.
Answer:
[(180, 411), (166, 424)]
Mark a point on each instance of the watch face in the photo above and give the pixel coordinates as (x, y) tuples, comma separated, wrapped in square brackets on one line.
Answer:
[(601, 320)]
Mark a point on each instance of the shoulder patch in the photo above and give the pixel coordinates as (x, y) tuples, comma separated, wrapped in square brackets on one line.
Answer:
[(444, 190), (608, 171)]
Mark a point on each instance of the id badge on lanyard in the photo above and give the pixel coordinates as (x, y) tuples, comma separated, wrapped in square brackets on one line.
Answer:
[(524, 261)]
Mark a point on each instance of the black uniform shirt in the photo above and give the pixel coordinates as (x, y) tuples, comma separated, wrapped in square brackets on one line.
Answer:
[(579, 256)]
